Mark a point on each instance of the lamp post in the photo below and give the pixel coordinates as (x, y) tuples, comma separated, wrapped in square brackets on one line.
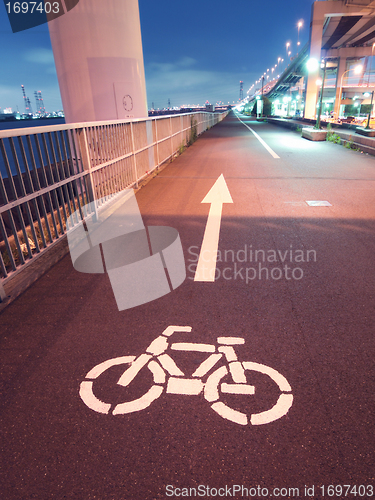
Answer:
[(357, 70), (369, 113), (262, 94), (372, 55), (299, 26), (317, 125)]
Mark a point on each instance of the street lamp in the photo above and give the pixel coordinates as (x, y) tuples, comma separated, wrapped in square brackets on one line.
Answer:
[(358, 106), (357, 71), (262, 94), (369, 72), (257, 99), (299, 26), (317, 125), (366, 94), (287, 48), (312, 65)]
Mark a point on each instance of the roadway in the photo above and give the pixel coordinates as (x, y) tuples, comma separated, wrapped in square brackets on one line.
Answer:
[(313, 324)]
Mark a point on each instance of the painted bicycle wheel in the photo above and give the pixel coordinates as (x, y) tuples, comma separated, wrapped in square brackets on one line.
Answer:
[(135, 365), (215, 388)]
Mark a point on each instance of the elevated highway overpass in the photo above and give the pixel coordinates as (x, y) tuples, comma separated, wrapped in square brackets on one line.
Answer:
[(342, 33)]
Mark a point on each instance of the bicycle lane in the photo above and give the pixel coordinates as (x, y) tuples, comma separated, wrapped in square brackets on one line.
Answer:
[(178, 440)]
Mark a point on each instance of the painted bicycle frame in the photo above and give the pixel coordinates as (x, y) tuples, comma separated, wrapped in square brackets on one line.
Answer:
[(169, 377)]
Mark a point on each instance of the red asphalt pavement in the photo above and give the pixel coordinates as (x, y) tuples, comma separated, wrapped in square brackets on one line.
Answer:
[(313, 323)]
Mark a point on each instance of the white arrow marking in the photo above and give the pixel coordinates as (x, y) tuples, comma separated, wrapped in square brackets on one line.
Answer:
[(217, 195)]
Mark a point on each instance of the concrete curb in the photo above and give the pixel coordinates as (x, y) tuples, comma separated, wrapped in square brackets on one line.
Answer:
[(365, 144), (314, 134), (34, 270)]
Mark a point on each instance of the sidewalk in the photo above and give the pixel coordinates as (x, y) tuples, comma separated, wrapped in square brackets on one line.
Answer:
[(347, 133), (312, 324), (18, 283)]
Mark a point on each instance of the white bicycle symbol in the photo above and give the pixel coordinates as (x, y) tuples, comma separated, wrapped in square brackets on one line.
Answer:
[(167, 375)]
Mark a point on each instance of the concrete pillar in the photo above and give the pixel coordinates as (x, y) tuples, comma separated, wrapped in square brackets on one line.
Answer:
[(321, 10), (316, 33), (98, 54)]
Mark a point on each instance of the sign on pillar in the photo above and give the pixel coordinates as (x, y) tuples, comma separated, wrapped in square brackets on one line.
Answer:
[(98, 54)]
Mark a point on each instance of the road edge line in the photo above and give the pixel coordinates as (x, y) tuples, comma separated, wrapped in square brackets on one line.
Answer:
[(271, 151)]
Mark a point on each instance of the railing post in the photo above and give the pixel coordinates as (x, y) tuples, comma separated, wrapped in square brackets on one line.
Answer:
[(134, 158), (86, 163), (157, 143), (2, 292), (170, 135), (181, 131), (86, 158)]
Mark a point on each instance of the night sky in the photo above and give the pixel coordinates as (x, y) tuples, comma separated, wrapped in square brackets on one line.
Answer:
[(194, 51)]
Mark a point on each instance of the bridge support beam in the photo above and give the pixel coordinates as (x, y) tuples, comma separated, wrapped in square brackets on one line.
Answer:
[(343, 54), (316, 34), (98, 54)]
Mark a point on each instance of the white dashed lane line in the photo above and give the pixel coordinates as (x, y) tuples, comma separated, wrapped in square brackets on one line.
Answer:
[(271, 151)]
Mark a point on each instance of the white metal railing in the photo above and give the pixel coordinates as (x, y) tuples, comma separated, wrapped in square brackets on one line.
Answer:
[(47, 173)]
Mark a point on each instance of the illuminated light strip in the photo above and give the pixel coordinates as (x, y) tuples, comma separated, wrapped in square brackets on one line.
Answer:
[(271, 151)]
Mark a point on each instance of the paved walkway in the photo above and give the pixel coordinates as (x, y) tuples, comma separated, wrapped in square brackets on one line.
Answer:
[(293, 299)]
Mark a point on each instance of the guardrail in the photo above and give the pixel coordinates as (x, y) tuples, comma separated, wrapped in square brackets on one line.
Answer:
[(48, 173)]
